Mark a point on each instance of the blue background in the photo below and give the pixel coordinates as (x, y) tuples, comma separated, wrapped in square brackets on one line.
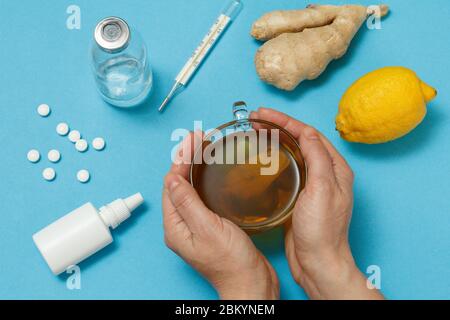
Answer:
[(402, 193)]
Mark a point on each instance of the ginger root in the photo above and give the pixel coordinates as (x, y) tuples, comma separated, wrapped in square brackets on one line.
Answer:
[(301, 43)]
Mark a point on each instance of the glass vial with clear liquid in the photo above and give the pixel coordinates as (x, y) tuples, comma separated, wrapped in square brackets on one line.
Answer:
[(120, 63)]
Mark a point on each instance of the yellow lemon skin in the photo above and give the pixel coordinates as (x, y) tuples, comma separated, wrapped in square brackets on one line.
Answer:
[(383, 105)]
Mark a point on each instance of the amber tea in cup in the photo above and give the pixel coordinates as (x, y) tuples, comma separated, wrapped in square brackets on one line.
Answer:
[(250, 172)]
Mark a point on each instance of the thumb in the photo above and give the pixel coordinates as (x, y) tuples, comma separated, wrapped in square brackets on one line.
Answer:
[(317, 158), (188, 204)]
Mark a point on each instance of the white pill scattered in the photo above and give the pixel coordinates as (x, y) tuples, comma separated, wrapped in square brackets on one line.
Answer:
[(81, 145), (54, 155), (74, 136), (43, 110), (49, 174), (98, 143), (33, 155), (83, 176), (62, 129)]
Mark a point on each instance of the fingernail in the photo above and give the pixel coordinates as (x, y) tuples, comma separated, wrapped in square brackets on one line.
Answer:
[(173, 183)]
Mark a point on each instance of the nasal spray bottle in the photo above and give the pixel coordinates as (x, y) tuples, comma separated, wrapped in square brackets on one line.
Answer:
[(82, 232)]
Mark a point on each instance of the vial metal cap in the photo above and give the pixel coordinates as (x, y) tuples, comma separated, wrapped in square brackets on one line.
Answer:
[(112, 34)]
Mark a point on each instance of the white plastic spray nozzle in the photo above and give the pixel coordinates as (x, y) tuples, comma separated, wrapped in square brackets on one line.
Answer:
[(119, 210), (134, 201)]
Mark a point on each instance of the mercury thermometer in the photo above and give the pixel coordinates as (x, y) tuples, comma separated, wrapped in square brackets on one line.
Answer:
[(227, 15)]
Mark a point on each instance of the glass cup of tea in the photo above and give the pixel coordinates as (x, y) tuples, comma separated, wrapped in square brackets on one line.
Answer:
[(249, 171)]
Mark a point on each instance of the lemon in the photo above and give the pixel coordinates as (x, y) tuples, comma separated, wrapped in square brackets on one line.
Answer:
[(383, 105)]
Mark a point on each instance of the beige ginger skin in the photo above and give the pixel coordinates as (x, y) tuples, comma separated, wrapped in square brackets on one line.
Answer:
[(301, 43)]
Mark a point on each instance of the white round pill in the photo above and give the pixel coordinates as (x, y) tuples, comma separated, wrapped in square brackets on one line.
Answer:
[(81, 145), (33, 155), (83, 176), (54, 155), (98, 143), (49, 174), (74, 136), (62, 129), (43, 110)]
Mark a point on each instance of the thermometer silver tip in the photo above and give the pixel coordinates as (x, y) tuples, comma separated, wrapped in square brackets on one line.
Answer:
[(172, 92), (163, 104)]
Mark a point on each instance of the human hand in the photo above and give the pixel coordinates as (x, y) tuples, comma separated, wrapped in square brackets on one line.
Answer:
[(316, 242), (214, 246)]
